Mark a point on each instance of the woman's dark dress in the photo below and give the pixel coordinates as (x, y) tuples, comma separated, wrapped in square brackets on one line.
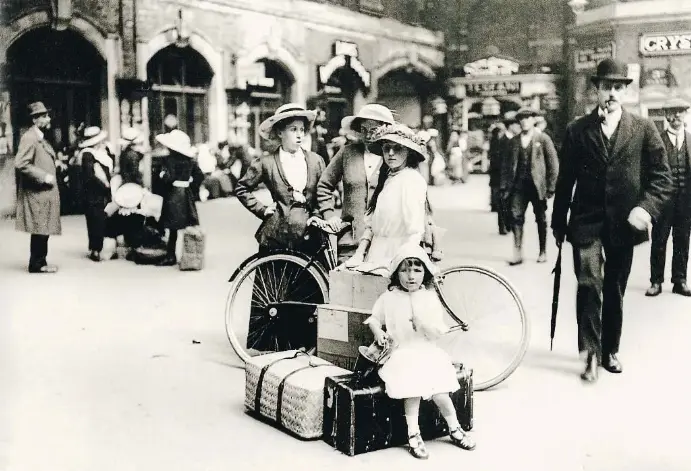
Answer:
[(179, 208)]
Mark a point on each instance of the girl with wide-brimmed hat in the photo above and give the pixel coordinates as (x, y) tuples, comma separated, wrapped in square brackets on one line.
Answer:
[(97, 168), (181, 179), (396, 214), (290, 174)]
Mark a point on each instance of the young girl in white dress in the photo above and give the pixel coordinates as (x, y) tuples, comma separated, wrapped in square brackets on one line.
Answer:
[(396, 213), (417, 368)]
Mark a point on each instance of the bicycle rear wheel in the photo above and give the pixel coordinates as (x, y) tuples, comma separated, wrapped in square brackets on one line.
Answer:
[(498, 327), (272, 305)]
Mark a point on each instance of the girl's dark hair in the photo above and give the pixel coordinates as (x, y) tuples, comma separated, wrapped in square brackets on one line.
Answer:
[(396, 282), (413, 161), (129, 166)]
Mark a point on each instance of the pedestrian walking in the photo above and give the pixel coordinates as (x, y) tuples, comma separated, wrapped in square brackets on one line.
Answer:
[(357, 168), (417, 368), (496, 158), (617, 162), (97, 169), (181, 180), (529, 176), (290, 174), (397, 211), (38, 197), (676, 216)]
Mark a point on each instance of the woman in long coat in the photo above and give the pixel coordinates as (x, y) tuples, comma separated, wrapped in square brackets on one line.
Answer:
[(291, 175), (181, 179)]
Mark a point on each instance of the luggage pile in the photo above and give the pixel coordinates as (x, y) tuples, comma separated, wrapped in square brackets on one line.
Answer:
[(311, 397)]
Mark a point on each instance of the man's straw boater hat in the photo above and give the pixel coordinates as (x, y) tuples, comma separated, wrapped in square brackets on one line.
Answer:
[(400, 134), (291, 110), (610, 69), (371, 111)]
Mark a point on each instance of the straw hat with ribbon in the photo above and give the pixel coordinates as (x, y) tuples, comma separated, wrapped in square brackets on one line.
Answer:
[(400, 134), (290, 110), (129, 195), (93, 135), (371, 111), (177, 141)]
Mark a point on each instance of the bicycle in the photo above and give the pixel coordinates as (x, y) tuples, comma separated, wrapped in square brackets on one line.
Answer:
[(293, 285)]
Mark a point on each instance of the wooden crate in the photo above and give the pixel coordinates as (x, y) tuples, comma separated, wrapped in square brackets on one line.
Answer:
[(341, 331)]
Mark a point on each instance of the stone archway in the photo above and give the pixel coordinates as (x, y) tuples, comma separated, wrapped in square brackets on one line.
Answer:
[(217, 108)]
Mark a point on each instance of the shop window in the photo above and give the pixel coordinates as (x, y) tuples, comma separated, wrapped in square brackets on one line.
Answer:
[(264, 100), (180, 80)]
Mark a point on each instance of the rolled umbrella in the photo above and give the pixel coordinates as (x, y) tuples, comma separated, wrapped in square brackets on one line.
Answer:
[(555, 297)]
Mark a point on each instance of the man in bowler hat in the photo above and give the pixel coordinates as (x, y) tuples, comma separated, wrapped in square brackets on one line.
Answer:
[(529, 175), (38, 199), (676, 217), (617, 162)]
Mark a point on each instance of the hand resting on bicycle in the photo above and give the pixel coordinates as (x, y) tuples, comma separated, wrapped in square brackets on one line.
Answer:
[(333, 226)]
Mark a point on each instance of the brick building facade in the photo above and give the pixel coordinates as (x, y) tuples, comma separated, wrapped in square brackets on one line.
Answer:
[(653, 37), (222, 66)]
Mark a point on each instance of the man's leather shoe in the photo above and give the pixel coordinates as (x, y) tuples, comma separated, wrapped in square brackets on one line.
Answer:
[(590, 373), (611, 363), (44, 269), (654, 290), (681, 288)]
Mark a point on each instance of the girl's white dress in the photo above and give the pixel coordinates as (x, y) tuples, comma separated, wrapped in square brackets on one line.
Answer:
[(417, 367), (399, 218)]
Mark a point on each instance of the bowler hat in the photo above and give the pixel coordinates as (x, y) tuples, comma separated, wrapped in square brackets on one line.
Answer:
[(610, 69), (37, 108), (526, 111)]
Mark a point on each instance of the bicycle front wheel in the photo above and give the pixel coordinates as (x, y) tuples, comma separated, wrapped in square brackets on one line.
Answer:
[(272, 305), (498, 327)]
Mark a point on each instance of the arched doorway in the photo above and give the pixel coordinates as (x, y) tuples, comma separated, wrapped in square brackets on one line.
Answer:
[(266, 96), (180, 79), (74, 89), (340, 91), (405, 93)]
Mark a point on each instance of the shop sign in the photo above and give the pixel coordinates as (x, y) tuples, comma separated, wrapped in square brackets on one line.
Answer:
[(656, 44), (490, 66), (493, 88), (658, 77), (345, 54), (254, 75), (589, 58)]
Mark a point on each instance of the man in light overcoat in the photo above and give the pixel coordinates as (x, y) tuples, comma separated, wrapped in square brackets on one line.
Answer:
[(38, 199)]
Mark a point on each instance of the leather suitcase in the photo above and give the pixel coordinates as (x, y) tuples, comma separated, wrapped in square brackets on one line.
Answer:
[(359, 417), (287, 389)]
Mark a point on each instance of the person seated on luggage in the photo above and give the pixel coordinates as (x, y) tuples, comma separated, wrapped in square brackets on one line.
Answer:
[(396, 212), (290, 174), (181, 180), (125, 221), (417, 368)]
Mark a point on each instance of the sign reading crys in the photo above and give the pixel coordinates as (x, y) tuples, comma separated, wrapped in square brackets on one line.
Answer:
[(490, 66), (655, 44), (589, 58), (345, 54)]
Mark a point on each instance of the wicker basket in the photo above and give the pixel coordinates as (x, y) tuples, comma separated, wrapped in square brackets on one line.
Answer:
[(287, 388)]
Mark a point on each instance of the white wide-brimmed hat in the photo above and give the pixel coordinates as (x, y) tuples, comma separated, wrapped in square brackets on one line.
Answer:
[(412, 251), (92, 136), (177, 141), (129, 195), (371, 111), (290, 110), (400, 134), (130, 135)]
